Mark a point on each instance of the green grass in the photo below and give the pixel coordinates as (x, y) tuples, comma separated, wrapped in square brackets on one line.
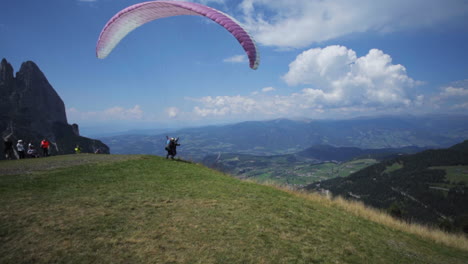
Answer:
[(455, 174), (395, 166), (153, 210), (302, 173)]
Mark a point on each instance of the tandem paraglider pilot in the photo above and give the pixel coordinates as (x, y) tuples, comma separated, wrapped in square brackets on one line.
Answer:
[(171, 147)]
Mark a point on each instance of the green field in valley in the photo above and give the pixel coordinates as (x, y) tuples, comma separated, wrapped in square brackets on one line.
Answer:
[(455, 174), (282, 170)]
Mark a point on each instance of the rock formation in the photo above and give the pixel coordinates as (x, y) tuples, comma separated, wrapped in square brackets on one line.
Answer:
[(30, 109)]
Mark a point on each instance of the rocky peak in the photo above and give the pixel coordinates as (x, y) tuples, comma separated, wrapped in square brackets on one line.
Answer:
[(30, 71), (36, 95), (31, 110), (6, 71)]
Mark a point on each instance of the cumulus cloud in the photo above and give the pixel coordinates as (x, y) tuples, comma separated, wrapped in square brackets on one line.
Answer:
[(310, 21), (320, 66), (338, 82), (113, 113), (343, 78)]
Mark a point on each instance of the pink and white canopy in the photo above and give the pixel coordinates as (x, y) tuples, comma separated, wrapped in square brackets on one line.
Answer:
[(136, 15)]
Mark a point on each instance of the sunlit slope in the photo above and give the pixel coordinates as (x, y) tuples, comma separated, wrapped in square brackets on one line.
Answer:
[(142, 209)]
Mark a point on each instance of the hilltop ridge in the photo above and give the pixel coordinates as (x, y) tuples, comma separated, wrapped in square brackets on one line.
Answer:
[(152, 210)]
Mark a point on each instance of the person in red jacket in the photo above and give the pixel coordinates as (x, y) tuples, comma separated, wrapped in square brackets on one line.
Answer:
[(45, 147)]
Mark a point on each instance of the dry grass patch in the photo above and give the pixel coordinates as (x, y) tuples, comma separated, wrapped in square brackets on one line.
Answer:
[(360, 209)]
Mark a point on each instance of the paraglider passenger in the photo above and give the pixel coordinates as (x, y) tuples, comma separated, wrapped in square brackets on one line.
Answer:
[(45, 147), (171, 147), (20, 148)]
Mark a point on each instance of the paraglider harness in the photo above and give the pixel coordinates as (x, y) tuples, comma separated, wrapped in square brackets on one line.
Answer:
[(171, 147)]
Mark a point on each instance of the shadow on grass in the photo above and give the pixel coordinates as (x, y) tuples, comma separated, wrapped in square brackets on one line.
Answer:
[(181, 160)]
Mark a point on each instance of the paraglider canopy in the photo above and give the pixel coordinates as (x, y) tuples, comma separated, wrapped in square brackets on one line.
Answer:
[(136, 15)]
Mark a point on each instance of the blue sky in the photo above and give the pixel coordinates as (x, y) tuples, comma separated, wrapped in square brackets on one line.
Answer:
[(319, 59)]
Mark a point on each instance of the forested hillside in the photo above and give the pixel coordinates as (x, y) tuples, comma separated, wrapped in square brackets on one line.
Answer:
[(429, 187)]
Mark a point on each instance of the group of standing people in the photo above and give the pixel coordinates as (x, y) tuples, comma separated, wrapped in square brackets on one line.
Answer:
[(31, 151), (24, 152)]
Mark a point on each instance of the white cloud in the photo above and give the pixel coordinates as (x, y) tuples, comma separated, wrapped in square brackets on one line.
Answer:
[(113, 113), (308, 102), (461, 106), (339, 82), (311, 21), (236, 59), (172, 112), (268, 89), (320, 66), (453, 91), (224, 105), (343, 78), (453, 96)]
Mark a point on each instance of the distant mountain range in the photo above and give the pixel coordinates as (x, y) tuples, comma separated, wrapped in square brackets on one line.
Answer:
[(285, 136), (429, 187)]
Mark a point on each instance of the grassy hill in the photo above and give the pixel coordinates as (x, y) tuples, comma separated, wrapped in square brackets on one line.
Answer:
[(145, 209)]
